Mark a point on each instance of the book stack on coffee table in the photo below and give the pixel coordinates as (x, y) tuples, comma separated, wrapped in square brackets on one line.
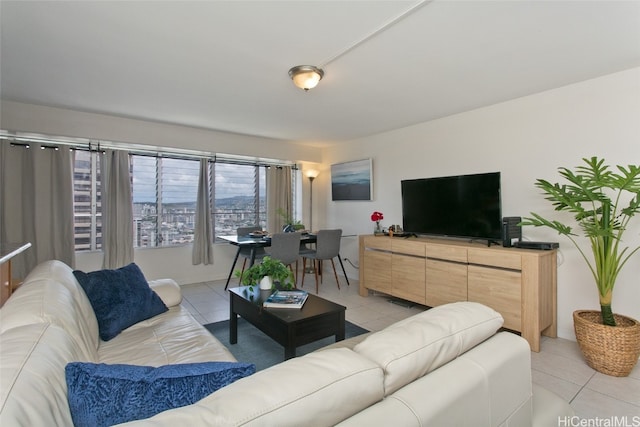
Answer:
[(286, 299)]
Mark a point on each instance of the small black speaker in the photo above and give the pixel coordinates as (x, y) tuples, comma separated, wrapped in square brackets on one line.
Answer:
[(511, 230)]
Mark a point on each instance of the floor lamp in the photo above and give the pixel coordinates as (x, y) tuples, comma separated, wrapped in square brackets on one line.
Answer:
[(311, 174)]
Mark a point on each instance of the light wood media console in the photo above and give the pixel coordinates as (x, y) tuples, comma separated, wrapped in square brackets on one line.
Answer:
[(518, 283)]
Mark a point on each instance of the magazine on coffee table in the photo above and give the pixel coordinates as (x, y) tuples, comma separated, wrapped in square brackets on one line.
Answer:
[(286, 299)]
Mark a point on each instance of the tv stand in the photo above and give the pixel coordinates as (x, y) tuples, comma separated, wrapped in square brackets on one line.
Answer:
[(489, 242), (404, 234), (520, 284)]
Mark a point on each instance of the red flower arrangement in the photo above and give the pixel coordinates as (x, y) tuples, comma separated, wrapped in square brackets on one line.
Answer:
[(377, 216)]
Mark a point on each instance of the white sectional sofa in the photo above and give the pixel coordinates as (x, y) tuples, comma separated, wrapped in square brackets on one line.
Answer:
[(446, 366)]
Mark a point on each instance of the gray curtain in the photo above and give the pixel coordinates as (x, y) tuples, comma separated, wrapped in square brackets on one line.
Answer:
[(279, 196), (203, 232), (36, 203), (117, 209)]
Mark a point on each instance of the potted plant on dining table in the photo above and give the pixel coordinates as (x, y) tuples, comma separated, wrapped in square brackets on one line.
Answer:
[(290, 225)]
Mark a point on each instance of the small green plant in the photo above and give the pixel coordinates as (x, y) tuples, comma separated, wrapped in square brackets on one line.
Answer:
[(602, 203), (288, 220), (268, 267)]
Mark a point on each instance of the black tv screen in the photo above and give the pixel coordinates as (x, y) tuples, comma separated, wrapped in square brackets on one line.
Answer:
[(453, 206)]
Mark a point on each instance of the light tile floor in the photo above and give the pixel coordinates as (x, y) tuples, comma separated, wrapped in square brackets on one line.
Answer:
[(559, 366)]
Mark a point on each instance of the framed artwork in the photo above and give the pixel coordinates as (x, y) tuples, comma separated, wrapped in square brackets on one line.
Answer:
[(352, 180)]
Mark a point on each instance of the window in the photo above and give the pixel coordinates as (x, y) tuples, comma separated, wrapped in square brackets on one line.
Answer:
[(164, 193), (239, 197), (164, 200), (87, 206)]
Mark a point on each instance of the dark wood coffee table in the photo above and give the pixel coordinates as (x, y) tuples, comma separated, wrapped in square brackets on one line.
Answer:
[(289, 327)]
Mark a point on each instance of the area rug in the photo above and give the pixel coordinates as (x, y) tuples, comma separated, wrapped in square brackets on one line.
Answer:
[(255, 347)]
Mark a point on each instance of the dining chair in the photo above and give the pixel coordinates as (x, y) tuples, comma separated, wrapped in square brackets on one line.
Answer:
[(327, 248), (285, 247), (246, 252), (304, 248)]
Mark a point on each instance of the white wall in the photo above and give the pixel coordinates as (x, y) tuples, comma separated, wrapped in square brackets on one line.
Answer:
[(15, 116), (524, 139)]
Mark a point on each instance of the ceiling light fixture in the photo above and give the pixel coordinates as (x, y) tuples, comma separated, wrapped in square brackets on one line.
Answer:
[(306, 76)]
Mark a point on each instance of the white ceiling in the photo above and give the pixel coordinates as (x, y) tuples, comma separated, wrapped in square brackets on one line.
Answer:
[(223, 64)]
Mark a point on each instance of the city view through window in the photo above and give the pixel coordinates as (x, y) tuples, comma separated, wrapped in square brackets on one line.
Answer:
[(164, 199)]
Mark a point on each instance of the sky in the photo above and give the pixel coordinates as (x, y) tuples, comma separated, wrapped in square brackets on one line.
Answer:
[(180, 180)]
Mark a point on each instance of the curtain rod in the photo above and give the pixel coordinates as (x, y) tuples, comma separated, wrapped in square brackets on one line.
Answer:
[(139, 149)]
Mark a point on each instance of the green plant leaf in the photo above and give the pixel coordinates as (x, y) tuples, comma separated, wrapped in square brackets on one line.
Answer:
[(287, 218), (595, 195), (268, 267)]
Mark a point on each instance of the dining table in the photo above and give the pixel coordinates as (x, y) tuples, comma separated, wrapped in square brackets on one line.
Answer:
[(254, 242)]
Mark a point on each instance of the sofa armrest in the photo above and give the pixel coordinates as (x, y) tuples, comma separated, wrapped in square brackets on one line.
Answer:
[(489, 385), (168, 291)]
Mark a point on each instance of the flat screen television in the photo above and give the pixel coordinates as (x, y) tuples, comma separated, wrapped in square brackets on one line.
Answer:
[(465, 206)]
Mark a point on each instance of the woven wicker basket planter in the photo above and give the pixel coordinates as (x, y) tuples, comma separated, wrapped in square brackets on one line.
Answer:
[(612, 350)]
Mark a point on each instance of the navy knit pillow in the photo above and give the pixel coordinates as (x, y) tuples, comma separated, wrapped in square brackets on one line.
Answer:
[(120, 298), (103, 395)]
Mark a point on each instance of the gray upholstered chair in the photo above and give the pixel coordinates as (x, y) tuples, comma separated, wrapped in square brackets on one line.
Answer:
[(246, 252), (285, 247), (303, 246), (327, 248), (305, 249)]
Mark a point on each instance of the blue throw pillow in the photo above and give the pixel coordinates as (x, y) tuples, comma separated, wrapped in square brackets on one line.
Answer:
[(120, 298), (103, 395)]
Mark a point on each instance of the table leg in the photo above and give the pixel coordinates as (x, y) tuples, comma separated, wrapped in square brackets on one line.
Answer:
[(289, 352), (235, 260), (252, 260), (343, 270), (233, 322), (341, 332), (290, 347)]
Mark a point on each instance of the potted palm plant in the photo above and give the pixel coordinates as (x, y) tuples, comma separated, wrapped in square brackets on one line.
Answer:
[(266, 274), (602, 202)]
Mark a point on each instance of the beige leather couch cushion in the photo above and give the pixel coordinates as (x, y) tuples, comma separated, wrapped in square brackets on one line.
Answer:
[(506, 366), (413, 347), (489, 385), (171, 337), (49, 301), (168, 338), (319, 389), (32, 362)]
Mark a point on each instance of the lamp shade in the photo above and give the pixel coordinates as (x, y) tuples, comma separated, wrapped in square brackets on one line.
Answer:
[(306, 76)]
